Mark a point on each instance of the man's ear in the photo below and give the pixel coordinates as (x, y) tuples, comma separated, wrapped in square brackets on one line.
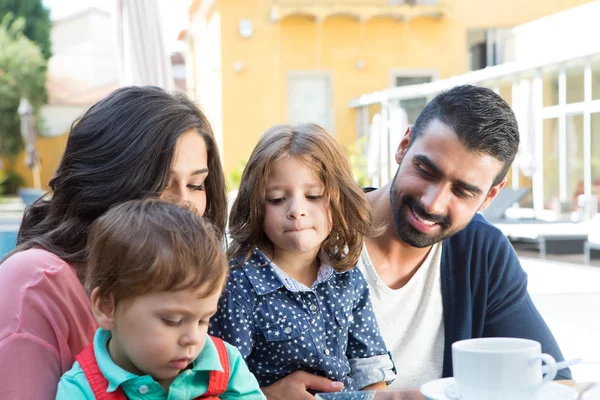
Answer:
[(404, 143), (104, 309), (492, 195)]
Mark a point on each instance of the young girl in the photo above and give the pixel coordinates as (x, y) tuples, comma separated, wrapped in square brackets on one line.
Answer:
[(296, 302), (156, 272)]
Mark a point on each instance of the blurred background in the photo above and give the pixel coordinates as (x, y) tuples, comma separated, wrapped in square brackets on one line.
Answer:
[(363, 69)]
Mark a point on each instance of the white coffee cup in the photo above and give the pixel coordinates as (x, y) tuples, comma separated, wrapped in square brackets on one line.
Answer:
[(500, 368)]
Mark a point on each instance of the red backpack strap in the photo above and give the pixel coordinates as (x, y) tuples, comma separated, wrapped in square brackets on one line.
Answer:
[(218, 381), (97, 381)]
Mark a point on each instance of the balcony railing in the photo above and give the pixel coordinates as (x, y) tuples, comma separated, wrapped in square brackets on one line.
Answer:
[(360, 9)]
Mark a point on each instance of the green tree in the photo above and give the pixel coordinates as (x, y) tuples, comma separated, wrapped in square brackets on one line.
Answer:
[(235, 176), (357, 156), (37, 21), (22, 74)]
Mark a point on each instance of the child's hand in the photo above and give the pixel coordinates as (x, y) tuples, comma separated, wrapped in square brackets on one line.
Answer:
[(295, 386)]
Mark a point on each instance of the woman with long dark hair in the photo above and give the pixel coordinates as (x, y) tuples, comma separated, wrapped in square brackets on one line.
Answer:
[(138, 142)]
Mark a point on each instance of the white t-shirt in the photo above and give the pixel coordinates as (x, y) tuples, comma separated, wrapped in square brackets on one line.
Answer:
[(411, 320)]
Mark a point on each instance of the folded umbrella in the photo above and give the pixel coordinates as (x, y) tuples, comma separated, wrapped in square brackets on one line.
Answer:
[(29, 134)]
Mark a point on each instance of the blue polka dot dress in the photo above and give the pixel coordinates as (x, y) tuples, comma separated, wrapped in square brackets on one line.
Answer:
[(281, 326)]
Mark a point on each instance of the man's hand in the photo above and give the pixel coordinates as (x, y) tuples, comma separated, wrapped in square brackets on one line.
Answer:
[(295, 386)]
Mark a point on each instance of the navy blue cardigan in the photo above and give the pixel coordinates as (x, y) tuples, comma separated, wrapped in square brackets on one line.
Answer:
[(484, 291)]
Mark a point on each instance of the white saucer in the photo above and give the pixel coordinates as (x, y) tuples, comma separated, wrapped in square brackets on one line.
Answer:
[(436, 390), (592, 393)]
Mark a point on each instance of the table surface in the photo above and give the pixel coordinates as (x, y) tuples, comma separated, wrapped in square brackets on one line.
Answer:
[(415, 394)]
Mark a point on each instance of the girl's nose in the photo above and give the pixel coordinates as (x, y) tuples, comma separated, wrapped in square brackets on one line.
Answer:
[(296, 209)]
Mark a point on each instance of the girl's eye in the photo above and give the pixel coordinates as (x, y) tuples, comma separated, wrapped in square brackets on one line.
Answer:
[(277, 200), (196, 187), (316, 197), (169, 322)]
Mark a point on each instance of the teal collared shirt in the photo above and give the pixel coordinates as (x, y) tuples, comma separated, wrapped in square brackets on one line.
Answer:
[(189, 384)]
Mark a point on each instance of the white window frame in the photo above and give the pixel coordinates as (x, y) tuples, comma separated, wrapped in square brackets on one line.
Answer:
[(394, 73), (312, 74)]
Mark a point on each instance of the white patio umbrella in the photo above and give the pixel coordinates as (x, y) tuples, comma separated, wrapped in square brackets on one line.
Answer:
[(143, 59), (29, 134), (525, 114), (384, 138), (374, 149), (398, 125)]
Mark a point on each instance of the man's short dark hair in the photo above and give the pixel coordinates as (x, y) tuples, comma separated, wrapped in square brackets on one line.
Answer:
[(482, 120)]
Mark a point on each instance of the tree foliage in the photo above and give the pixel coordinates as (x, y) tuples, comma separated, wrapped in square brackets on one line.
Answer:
[(22, 74), (37, 21)]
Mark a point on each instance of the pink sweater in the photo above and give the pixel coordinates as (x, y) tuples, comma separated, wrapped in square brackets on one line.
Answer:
[(45, 321)]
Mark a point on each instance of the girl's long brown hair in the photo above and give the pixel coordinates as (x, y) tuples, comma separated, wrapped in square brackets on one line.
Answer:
[(350, 211)]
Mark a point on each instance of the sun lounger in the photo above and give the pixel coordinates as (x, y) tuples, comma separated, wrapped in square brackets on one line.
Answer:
[(551, 237), (593, 240), (496, 212)]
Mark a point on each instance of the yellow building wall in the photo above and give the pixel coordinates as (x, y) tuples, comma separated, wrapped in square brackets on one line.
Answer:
[(50, 150), (255, 97), (505, 13)]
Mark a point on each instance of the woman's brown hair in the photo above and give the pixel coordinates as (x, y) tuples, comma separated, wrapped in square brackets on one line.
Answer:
[(121, 149), (349, 210)]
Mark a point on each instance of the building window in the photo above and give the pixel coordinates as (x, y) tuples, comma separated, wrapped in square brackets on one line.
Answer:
[(309, 99), (550, 88), (551, 164), (595, 152), (596, 78), (575, 157), (412, 107), (486, 47), (574, 76)]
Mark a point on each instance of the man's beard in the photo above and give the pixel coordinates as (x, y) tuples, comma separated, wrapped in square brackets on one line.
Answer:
[(410, 235)]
